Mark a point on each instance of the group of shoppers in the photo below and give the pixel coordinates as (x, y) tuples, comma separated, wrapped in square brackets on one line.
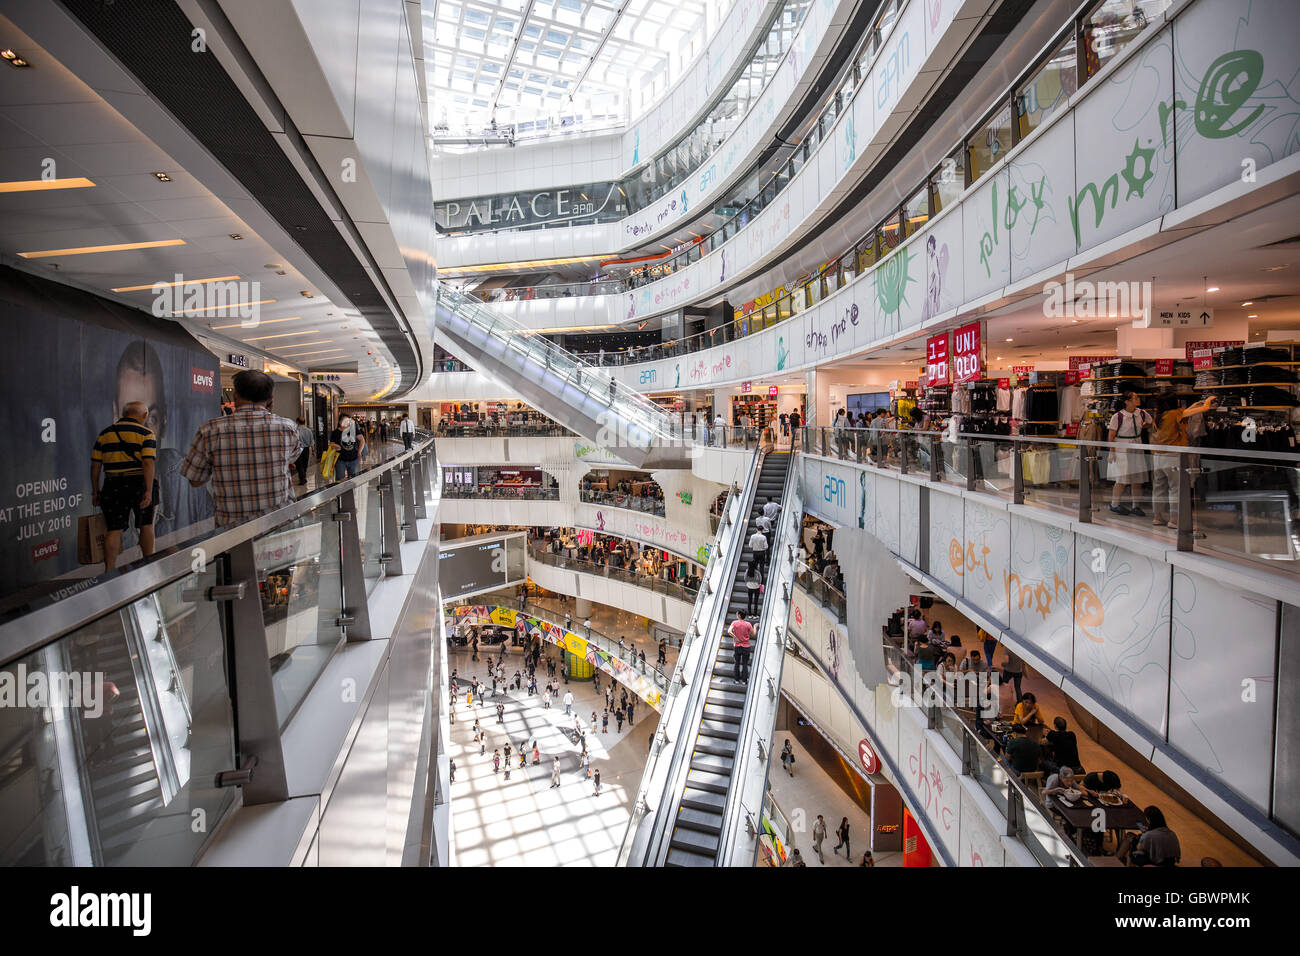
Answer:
[(249, 456)]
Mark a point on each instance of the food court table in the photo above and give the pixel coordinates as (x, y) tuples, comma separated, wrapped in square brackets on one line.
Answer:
[(1124, 816)]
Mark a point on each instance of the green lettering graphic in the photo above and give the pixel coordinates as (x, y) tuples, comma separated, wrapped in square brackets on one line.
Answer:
[(1229, 82)]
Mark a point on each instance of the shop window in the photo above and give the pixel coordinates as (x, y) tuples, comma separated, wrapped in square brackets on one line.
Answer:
[(989, 144), (888, 235), (1112, 26), (916, 212), (865, 253), (948, 182), (1046, 92)]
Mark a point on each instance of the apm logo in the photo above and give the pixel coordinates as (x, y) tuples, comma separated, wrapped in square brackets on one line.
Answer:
[(75, 909), (649, 375), (833, 491)]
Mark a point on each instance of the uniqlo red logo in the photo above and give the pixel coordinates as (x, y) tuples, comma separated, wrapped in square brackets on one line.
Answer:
[(203, 380)]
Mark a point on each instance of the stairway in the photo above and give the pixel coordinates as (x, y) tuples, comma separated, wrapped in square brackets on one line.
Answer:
[(123, 776), (698, 825), (618, 418)]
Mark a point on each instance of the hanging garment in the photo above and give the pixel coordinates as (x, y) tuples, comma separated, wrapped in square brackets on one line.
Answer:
[(1004, 399)]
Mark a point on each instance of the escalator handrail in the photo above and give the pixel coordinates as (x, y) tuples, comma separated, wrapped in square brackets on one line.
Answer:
[(26, 633), (649, 845), (768, 651)]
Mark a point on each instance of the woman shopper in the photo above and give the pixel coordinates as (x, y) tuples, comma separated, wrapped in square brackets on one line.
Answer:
[(754, 586), (842, 833), (787, 758), (1128, 467)]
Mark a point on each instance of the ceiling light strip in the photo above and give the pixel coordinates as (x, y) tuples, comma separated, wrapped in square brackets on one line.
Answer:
[(89, 250)]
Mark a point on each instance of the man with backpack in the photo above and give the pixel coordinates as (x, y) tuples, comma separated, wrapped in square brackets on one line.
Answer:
[(126, 452), (348, 441)]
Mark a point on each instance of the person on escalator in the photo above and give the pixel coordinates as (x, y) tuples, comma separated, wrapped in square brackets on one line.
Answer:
[(758, 545), (754, 586), (742, 637)]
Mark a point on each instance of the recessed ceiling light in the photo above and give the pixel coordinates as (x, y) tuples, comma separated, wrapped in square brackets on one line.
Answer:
[(228, 305), (162, 177), (114, 247), (1276, 268), (1213, 288), (288, 318), (1010, 340), (284, 335), (300, 345), (271, 265), (305, 294), (17, 61), (1252, 316), (1244, 304), (37, 185), (9, 54), (998, 359), (150, 286), (236, 236)]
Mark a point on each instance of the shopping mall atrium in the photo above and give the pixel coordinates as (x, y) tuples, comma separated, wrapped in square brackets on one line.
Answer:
[(650, 433)]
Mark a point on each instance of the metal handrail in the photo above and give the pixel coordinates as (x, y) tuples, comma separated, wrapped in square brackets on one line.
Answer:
[(605, 571), (708, 612), (764, 674), (41, 626)]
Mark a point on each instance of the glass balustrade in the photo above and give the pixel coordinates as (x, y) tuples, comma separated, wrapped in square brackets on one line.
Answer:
[(1241, 505)]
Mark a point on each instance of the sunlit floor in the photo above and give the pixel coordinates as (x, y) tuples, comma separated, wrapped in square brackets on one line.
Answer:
[(811, 791), (523, 821)]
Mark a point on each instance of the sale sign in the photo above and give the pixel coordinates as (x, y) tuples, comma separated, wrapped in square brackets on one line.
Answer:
[(1164, 366), (1022, 371), (1077, 360), (966, 363), (1192, 347), (936, 360)]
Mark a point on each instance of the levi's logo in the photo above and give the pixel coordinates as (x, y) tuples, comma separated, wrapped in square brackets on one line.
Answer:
[(46, 549), (202, 380)]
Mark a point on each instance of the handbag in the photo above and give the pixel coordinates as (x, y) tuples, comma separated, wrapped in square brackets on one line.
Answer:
[(91, 530), (328, 459)]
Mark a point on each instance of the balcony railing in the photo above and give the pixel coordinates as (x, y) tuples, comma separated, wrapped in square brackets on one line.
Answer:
[(640, 579), (1241, 504), (163, 724), (646, 504)]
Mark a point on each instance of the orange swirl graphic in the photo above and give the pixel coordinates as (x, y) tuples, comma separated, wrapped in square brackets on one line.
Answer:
[(957, 556), (1088, 611)]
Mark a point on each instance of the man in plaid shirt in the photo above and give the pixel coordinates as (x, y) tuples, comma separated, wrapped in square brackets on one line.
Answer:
[(248, 456)]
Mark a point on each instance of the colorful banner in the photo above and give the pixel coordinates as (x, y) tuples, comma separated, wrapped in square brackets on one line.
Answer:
[(642, 685)]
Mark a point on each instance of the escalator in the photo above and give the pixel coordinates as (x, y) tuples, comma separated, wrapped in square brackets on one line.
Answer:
[(696, 829), (586, 398)]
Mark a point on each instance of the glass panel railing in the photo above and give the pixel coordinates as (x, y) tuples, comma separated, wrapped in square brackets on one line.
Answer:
[(298, 575), (370, 532), (1243, 505), (639, 579), (90, 775)]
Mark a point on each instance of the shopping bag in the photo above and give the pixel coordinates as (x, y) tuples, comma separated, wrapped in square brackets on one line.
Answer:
[(327, 461), (91, 529)]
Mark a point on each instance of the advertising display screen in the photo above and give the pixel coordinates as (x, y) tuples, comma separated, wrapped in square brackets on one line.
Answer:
[(474, 566), (867, 402)]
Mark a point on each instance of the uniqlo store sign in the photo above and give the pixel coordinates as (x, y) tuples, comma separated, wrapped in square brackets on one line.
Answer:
[(966, 364), (936, 360)]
